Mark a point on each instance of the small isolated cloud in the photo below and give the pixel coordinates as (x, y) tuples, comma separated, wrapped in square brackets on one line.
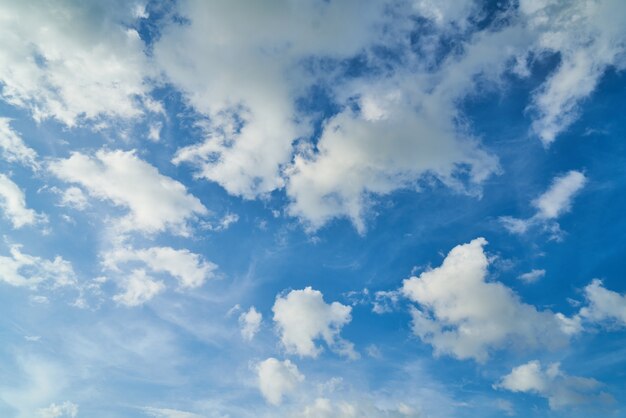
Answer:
[(155, 202), (250, 323), (560, 389), (12, 147), (74, 197), (303, 317), (556, 201), (532, 276), (462, 314), (65, 410), (13, 204), (168, 413), (189, 269), (277, 379), (20, 269), (138, 288), (603, 305)]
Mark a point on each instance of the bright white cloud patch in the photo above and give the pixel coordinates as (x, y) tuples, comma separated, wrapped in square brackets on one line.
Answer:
[(65, 410), (303, 317), (462, 314), (71, 60), (20, 269), (13, 148), (277, 379), (155, 202), (189, 269), (554, 202), (326, 408), (560, 389), (75, 198), (532, 276), (13, 204), (603, 305), (138, 288), (250, 323)]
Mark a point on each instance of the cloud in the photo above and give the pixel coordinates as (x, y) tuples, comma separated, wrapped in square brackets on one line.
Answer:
[(462, 314), (138, 288), (65, 410), (72, 60), (75, 198), (553, 203), (168, 413), (13, 204), (23, 270), (250, 323), (277, 379), (155, 202), (14, 150), (326, 408), (603, 305), (302, 317), (532, 276), (560, 389), (189, 269)]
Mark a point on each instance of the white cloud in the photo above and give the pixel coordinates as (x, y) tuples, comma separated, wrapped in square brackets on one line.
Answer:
[(74, 198), (277, 379), (65, 410), (603, 304), (560, 389), (13, 204), (138, 288), (72, 60), (588, 36), (155, 202), (13, 147), (532, 276), (19, 269), (553, 203), (326, 408), (302, 317), (250, 323), (462, 314), (189, 269), (168, 413)]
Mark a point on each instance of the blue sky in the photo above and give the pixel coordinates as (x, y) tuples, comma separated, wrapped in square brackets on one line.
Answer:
[(311, 209)]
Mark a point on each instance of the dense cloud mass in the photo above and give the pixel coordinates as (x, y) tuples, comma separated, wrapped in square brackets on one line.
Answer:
[(269, 209)]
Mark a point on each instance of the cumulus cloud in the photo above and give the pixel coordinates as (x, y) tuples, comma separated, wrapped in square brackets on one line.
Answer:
[(560, 389), (138, 288), (554, 202), (155, 202), (250, 323), (603, 305), (72, 60), (13, 147), (189, 269), (532, 276), (65, 410), (462, 314), (303, 317), (20, 269), (277, 379), (75, 198), (13, 204)]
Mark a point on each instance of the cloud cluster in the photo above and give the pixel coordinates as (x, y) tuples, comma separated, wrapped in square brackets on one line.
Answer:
[(13, 148), (20, 269), (13, 204), (277, 379)]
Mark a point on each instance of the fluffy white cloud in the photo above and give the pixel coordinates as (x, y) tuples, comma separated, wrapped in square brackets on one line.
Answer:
[(250, 323), (603, 304), (463, 314), (72, 60), (303, 316), (13, 147), (74, 198), (277, 379), (560, 389), (138, 288), (13, 204), (246, 78), (65, 410), (532, 276), (155, 202), (554, 202), (189, 269), (19, 269), (589, 37)]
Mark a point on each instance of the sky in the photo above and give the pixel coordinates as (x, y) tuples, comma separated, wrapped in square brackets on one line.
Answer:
[(312, 208)]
